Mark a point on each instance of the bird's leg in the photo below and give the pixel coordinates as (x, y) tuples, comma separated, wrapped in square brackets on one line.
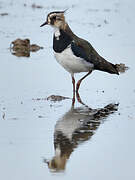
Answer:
[(77, 88), (73, 82), (79, 82), (79, 99)]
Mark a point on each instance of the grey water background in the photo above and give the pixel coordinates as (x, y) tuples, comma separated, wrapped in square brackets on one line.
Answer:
[(28, 125)]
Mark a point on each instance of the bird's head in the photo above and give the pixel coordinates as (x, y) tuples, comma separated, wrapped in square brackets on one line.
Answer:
[(55, 19)]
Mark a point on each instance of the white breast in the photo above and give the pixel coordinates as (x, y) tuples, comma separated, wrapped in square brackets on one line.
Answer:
[(57, 33), (72, 63), (67, 125)]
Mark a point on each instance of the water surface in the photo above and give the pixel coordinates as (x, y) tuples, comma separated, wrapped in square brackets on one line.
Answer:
[(94, 142)]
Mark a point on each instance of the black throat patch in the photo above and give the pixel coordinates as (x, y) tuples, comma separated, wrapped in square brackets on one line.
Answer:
[(60, 43)]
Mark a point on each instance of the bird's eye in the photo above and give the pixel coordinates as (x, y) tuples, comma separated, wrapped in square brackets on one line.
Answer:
[(54, 17)]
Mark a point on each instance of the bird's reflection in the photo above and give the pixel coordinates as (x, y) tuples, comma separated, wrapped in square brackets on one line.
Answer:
[(73, 128)]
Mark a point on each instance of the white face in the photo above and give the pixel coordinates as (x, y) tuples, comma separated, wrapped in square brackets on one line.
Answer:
[(56, 19)]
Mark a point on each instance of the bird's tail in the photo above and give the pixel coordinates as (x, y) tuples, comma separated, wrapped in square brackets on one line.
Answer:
[(106, 66), (121, 68), (113, 68)]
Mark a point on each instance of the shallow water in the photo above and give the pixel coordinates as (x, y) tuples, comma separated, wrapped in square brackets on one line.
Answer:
[(97, 147)]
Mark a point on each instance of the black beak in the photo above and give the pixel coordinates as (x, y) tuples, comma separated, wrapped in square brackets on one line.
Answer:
[(44, 24)]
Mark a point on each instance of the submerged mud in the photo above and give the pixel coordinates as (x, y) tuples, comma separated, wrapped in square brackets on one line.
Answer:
[(54, 98), (22, 47)]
